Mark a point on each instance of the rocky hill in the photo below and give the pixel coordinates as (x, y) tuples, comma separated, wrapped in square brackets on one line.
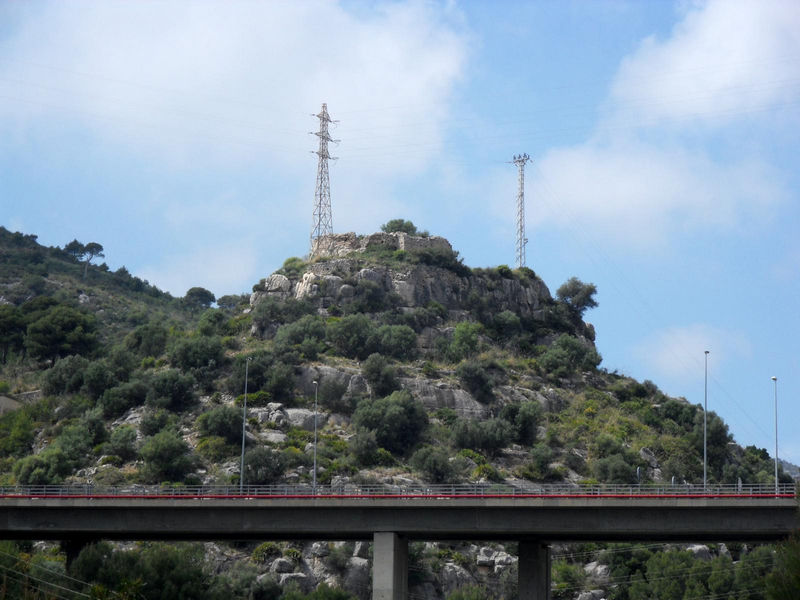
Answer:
[(488, 377)]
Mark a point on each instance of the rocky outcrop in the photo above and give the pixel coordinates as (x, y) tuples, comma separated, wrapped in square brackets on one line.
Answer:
[(342, 244), (334, 281)]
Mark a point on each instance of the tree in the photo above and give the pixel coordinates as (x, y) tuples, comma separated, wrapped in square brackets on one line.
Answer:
[(399, 225), (380, 375), (397, 420), (92, 250), (351, 336), (166, 457), (12, 330), (197, 298), (61, 331), (263, 466), (75, 249), (578, 296), (784, 581)]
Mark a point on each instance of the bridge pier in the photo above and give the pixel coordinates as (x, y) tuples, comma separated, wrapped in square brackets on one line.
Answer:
[(534, 571), (389, 566)]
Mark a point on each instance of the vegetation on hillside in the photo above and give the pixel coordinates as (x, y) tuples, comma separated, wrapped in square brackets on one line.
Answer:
[(137, 387)]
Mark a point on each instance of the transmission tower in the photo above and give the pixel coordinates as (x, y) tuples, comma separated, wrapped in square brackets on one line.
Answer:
[(522, 241), (323, 218)]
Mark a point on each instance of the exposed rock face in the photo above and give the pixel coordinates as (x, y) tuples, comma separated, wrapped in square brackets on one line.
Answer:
[(342, 244), (333, 281)]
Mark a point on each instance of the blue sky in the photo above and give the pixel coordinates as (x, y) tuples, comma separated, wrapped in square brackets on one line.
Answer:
[(663, 137)]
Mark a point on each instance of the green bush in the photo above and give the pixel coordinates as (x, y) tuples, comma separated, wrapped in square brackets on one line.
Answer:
[(352, 336), (568, 354), (399, 225), (154, 421), (434, 464), (364, 447), (489, 436), (397, 420), (614, 469), (397, 341), (380, 375), (166, 457), (64, 377), (263, 466), (171, 389), (119, 399), (306, 335), (215, 448), (478, 379), (201, 356), (122, 442), (525, 419), (266, 552), (223, 421), (465, 341), (147, 340), (331, 396)]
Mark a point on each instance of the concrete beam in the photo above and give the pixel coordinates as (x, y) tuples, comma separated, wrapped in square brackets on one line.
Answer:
[(534, 571), (389, 567)]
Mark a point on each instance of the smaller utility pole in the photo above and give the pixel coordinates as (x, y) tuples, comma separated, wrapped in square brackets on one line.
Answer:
[(522, 241)]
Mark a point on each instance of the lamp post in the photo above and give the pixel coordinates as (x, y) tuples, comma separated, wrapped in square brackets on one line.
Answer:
[(775, 381), (314, 473), (244, 424), (705, 419)]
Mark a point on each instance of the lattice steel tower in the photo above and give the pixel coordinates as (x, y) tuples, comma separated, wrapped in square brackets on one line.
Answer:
[(522, 241), (323, 218)]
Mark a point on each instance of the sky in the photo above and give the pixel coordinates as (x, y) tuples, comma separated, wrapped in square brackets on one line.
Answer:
[(663, 139)]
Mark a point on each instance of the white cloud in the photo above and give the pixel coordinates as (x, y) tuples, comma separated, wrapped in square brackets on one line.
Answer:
[(642, 194), (678, 352), (649, 174), (233, 80), (723, 58)]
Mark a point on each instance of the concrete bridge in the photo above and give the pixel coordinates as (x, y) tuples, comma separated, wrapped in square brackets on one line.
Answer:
[(390, 520)]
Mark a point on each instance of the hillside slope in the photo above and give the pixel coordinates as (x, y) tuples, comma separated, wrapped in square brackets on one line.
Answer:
[(425, 371)]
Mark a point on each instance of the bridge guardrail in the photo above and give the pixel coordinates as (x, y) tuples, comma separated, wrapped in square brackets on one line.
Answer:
[(477, 490)]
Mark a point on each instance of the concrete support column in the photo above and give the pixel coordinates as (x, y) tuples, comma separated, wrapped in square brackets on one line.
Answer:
[(389, 567), (534, 571)]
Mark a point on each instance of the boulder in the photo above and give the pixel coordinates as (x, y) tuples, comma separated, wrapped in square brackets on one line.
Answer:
[(454, 576), (282, 565), (700, 551), (485, 557), (357, 577), (304, 418), (597, 573)]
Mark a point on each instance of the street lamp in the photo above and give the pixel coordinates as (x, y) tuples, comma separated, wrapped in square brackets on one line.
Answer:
[(314, 474), (775, 381), (705, 419), (244, 424)]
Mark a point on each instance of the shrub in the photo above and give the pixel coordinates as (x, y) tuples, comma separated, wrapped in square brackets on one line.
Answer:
[(171, 389), (614, 469), (578, 296), (524, 418), (66, 376), (122, 442), (154, 421), (566, 355), (398, 341), (490, 436), (380, 375), (331, 396), (147, 340), (352, 336), (364, 447), (263, 466), (265, 552), (399, 225), (307, 335), (477, 380), (223, 421), (538, 469), (201, 356), (293, 267), (47, 468), (434, 464), (215, 448), (465, 341), (398, 420), (119, 399), (166, 457)]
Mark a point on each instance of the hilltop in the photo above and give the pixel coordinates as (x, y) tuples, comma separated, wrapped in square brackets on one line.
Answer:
[(426, 370)]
